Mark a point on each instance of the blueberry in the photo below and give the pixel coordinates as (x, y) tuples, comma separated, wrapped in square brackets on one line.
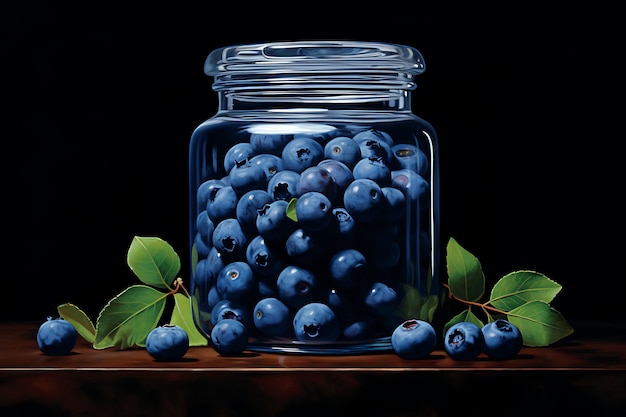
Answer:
[(296, 286), (348, 268), (343, 149), (248, 208), (227, 309), (306, 248), (271, 164), (373, 135), (272, 317), (374, 168), (265, 259), (316, 322), (343, 228), (376, 149), (205, 226), (229, 238), (272, 221), (207, 191), (359, 328), (318, 179), (229, 337), (56, 337), (214, 264), (503, 340), (301, 153), (236, 282), (410, 157), (414, 339), (246, 176), (394, 205), (363, 200), (314, 211), (282, 186), (463, 341), (340, 172), (167, 343), (382, 299), (202, 246), (222, 204), (413, 185), (268, 143), (237, 152)]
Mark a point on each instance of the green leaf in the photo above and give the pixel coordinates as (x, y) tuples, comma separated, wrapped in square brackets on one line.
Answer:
[(416, 306), (154, 261), (182, 317), (465, 315), (540, 324), (79, 320), (291, 209), (465, 274), (520, 287), (429, 306), (127, 319)]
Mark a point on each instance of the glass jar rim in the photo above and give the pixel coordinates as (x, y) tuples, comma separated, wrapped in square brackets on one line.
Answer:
[(314, 56)]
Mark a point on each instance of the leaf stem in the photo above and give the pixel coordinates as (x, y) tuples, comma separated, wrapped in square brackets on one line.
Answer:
[(483, 306), (178, 284)]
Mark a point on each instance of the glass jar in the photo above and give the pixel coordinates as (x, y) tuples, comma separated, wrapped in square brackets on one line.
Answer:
[(314, 197)]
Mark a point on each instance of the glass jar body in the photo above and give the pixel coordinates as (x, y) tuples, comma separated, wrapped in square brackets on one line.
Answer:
[(373, 260)]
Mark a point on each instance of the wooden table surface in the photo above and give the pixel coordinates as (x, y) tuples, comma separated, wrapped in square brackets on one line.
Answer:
[(585, 372)]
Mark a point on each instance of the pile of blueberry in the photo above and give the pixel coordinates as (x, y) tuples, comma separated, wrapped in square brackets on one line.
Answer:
[(463, 341), (310, 237)]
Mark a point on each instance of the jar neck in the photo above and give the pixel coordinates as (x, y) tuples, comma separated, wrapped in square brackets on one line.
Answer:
[(335, 99)]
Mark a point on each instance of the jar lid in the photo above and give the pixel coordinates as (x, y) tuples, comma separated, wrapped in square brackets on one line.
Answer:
[(315, 56)]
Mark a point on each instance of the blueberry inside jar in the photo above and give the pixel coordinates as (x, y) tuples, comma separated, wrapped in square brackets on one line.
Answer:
[(314, 154)]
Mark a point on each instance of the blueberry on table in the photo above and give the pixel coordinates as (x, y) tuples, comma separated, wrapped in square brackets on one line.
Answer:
[(502, 339), (167, 343), (463, 341), (56, 336), (414, 339)]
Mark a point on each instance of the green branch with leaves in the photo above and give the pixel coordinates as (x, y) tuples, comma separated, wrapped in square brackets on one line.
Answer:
[(521, 297), (127, 318)]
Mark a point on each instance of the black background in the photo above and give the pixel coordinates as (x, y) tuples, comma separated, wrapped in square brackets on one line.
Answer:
[(100, 101)]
